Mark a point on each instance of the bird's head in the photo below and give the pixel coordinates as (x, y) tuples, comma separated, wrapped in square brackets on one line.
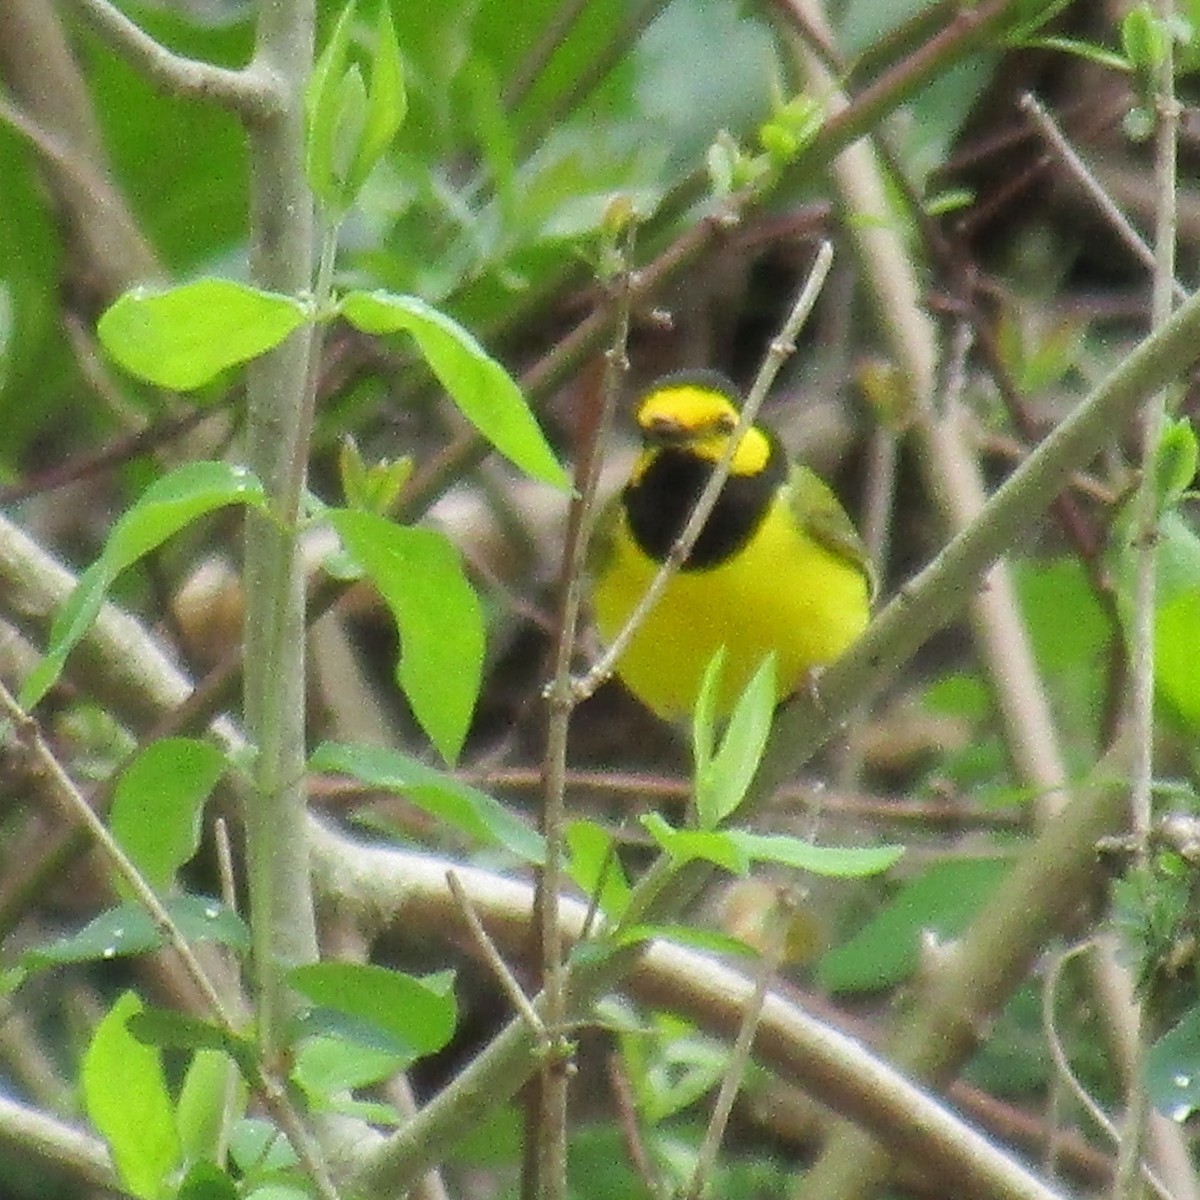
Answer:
[(696, 414)]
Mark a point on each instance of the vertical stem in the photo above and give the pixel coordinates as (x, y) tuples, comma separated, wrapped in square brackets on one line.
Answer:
[(548, 1179), (1126, 1182), (281, 253)]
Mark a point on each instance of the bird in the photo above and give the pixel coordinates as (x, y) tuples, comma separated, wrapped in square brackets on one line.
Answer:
[(778, 565)]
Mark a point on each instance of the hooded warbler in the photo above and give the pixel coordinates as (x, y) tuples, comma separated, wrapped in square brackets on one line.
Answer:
[(778, 565)]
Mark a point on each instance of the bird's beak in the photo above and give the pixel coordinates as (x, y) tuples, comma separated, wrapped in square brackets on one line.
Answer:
[(665, 431)]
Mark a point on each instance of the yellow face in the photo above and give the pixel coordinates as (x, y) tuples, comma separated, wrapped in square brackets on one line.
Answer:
[(701, 419)]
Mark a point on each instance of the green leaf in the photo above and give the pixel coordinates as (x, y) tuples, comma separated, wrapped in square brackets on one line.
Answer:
[(684, 845), (184, 337), (386, 100), (1144, 38), (1173, 1069), (206, 1181), (323, 105), (325, 1066), (1176, 636), (839, 862), (478, 384), (723, 784), (595, 867), (128, 929), (1175, 462), (158, 803), (257, 1147), (125, 1094), (420, 577), (704, 714), (418, 1015), (165, 507), (165, 1028), (709, 940), (476, 813), (940, 902), (211, 1086)]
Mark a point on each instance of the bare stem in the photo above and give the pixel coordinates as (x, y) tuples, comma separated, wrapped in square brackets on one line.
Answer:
[(1085, 177), (1145, 552), (739, 1060), (251, 92), (546, 1175), (493, 958), (69, 798)]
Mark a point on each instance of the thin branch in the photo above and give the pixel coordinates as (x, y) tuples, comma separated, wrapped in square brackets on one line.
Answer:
[(546, 1169), (505, 977), (781, 346), (1145, 554), (1062, 1063), (735, 1070), (69, 798), (1085, 177), (251, 92)]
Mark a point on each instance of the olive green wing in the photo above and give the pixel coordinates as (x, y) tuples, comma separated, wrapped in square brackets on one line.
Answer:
[(819, 514)]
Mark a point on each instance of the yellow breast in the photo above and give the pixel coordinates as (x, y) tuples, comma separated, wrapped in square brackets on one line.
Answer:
[(783, 591)]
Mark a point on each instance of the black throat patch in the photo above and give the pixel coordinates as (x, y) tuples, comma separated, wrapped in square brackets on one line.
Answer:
[(658, 505)]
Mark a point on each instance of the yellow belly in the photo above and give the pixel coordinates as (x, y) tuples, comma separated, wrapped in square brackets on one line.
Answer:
[(783, 592)]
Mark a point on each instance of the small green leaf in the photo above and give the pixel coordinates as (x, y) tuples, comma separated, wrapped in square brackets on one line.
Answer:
[(169, 504), (417, 1014), (211, 1087), (704, 715), (1175, 462), (1176, 636), (374, 488), (1173, 1069), (1144, 38), (840, 862), (167, 1029), (125, 1094), (206, 1181), (478, 384), (476, 813), (322, 101), (128, 929), (386, 100), (724, 782), (940, 902), (594, 866), (158, 803), (325, 1066), (697, 938), (184, 337), (419, 575), (351, 116), (684, 845), (1089, 51), (256, 1147)]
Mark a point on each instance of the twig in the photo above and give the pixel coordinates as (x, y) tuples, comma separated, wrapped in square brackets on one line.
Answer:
[(492, 956), (779, 349), (68, 796), (627, 1123), (739, 1059), (1083, 175), (1145, 555), (1062, 1063), (251, 92), (546, 1173)]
